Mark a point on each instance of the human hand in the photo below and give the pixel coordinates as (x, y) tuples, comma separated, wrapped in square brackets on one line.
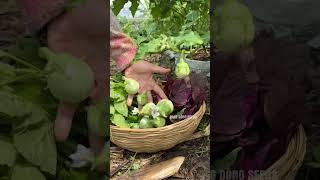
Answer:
[(82, 33), (142, 72)]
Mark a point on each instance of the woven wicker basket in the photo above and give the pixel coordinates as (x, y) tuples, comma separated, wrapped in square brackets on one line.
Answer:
[(156, 139), (288, 165)]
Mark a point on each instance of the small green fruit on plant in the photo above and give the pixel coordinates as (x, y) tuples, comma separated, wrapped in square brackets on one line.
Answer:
[(147, 109), (70, 79), (145, 123), (233, 26), (142, 99), (165, 107), (131, 85), (182, 68), (159, 122)]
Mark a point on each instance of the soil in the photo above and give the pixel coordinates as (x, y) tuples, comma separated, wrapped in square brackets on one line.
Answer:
[(201, 55)]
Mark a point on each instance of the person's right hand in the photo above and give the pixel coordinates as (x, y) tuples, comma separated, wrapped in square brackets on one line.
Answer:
[(142, 72)]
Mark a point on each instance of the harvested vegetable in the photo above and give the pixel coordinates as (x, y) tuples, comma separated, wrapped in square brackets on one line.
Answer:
[(233, 26), (159, 122), (182, 68), (70, 79), (165, 107), (147, 109), (131, 85), (142, 99), (145, 123)]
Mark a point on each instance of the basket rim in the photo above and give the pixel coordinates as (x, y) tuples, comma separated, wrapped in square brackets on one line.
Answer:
[(203, 106)]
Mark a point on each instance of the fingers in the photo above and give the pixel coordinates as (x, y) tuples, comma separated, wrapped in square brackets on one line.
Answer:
[(63, 122), (97, 146), (157, 89), (160, 70), (96, 143), (150, 99), (130, 99)]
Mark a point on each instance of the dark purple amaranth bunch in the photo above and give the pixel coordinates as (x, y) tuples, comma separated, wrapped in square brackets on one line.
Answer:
[(188, 93), (261, 117)]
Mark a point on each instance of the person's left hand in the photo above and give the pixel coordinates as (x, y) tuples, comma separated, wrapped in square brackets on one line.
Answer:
[(142, 72)]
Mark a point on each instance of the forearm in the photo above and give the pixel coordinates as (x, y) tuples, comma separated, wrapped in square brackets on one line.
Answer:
[(123, 49)]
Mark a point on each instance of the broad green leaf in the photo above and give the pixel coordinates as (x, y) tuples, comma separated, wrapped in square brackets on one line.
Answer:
[(119, 120), (7, 152), (38, 146), (118, 94), (26, 173), (13, 105), (112, 111), (191, 38), (227, 161), (118, 5), (133, 119), (134, 6), (121, 108), (193, 16)]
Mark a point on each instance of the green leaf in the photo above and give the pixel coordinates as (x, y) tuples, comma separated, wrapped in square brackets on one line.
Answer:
[(112, 110), (134, 6), (13, 105), (118, 5), (118, 94), (33, 133), (27, 49), (227, 161), (6, 72), (38, 146), (26, 173), (7, 152), (121, 107), (180, 113), (193, 16), (133, 119), (119, 120)]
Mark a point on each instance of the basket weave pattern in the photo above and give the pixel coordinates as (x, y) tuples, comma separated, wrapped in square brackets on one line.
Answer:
[(288, 165), (156, 139)]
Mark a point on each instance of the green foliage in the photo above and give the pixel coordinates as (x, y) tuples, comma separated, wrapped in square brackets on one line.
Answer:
[(27, 109), (118, 5), (26, 173), (8, 151), (167, 25)]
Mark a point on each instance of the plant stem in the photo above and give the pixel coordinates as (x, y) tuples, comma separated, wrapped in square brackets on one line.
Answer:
[(3, 53), (131, 164), (18, 79)]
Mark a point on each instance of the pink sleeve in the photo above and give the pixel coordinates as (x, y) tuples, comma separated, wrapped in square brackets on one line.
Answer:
[(123, 49), (40, 12)]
